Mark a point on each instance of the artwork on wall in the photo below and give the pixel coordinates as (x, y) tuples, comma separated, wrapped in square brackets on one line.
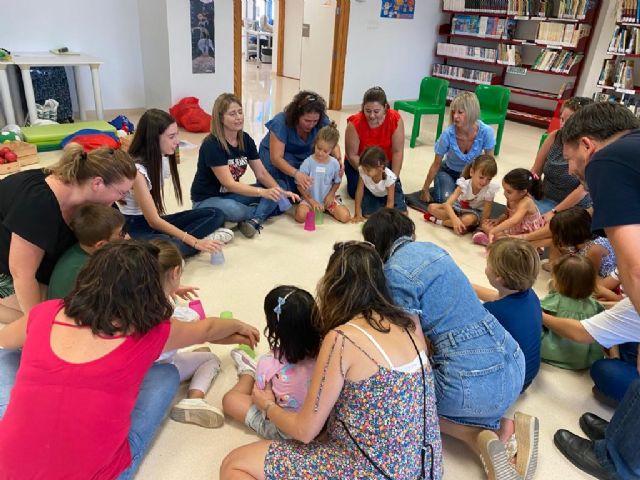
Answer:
[(203, 50), (397, 9)]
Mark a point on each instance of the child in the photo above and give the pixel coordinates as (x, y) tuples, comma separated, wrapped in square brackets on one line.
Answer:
[(294, 342), (573, 281), (470, 203), (571, 233), (512, 268), (93, 225), (380, 183), (325, 172), (200, 366), (522, 215)]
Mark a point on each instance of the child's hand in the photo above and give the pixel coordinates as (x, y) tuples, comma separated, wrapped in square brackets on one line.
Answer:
[(357, 219), (262, 398), (317, 206), (186, 292), (328, 201), (488, 224), (458, 226)]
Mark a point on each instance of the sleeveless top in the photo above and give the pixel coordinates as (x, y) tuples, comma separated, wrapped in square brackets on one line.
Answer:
[(557, 182), (72, 420), (608, 263), (379, 136)]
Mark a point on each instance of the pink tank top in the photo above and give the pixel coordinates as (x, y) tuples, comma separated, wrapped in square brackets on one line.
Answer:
[(67, 420)]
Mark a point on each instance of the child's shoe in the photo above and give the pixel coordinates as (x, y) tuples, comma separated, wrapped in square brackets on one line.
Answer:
[(430, 218), (250, 228), (480, 238), (197, 412), (223, 235), (245, 365)]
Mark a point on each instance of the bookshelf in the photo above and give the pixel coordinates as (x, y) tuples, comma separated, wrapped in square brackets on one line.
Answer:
[(534, 47), (621, 68)]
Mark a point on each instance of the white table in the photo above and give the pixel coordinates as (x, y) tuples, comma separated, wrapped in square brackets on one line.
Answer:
[(258, 34), (27, 60)]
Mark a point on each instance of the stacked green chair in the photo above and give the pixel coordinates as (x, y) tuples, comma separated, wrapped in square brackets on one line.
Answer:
[(494, 101), (432, 101), (542, 139)]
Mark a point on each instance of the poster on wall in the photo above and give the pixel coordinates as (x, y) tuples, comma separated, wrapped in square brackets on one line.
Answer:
[(397, 9), (203, 59)]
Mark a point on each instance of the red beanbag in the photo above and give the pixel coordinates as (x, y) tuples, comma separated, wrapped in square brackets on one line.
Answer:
[(190, 115)]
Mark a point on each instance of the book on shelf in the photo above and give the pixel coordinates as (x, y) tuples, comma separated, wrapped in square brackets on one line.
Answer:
[(625, 40), (481, 26), (628, 11), (565, 9), (509, 54), (466, 52), (607, 73), (454, 92), (558, 61), (485, 6), (462, 73), (562, 34)]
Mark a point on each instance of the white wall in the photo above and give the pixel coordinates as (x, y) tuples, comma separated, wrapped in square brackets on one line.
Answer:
[(205, 86), (393, 54), (108, 30), (154, 44)]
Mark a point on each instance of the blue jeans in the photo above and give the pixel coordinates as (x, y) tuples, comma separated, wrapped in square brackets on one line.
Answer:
[(619, 452), (199, 223), (156, 393), (352, 178), (613, 376), (371, 203), (238, 208), (444, 184), (545, 204)]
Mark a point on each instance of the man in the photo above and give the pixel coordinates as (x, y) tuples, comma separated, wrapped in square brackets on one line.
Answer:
[(602, 144)]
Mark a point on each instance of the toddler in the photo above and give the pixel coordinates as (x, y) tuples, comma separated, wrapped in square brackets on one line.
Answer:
[(470, 203), (571, 233), (522, 215), (201, 366), (573, 282), (93, 225), (512, 268), (325, 172), (376, 186), (294, 342)]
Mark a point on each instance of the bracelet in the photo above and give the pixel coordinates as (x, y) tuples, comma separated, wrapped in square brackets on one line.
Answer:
[(184, 236), (554, 211), (266, 410), (195, 243), (295, 173)]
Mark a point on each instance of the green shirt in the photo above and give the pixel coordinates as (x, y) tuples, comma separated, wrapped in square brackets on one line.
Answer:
[(66, 271), (562, 352)]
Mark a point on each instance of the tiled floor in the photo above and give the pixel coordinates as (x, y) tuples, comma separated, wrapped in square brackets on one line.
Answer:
[(285, 253)]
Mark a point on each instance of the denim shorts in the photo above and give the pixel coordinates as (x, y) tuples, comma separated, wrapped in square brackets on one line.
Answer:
[(460, 210), (257, 420), (479, 373)]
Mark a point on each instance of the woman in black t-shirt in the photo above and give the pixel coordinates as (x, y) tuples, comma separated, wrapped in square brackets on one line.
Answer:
[(36, 207), (223, 160)]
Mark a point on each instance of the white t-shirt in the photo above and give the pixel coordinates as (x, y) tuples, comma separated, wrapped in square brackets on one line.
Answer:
[(476, 200), (378, 189), (620, 324), (130, 206)]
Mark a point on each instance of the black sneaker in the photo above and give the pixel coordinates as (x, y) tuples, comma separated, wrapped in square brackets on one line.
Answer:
[(250, 228)]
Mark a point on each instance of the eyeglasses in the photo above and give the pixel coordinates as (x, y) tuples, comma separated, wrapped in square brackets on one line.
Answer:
[(120, 192)]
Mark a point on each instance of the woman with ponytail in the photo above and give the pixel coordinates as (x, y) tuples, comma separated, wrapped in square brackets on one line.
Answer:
[(36, 207)]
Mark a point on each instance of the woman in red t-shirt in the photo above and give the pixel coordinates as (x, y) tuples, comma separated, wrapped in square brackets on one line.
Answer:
[(71, 411), (377, 124)]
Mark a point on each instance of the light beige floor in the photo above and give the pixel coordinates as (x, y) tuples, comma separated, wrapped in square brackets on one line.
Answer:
[(286, 254)]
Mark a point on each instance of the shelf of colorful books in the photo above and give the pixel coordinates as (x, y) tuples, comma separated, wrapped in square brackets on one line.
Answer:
[(628, 24), (627, 91), (470, 60), (482, 13), (543, 95), (526, 114), (629, 55), (494, 81), (571, 73)]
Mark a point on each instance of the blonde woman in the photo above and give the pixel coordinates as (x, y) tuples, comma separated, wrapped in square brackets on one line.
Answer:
[(36, 207), (461, 142), (223, 160)]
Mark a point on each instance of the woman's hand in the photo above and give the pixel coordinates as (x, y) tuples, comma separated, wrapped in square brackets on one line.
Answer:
[(248, 332), (292, 196), (304, 181), (187, 292), (548, 216), (273, 193), (458, 226), (358, 219), (262, 398), (209, 246), (425, 196)]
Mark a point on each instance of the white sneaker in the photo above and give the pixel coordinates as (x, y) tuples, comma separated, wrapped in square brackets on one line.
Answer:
[(198, 412), (245, 365), (223, 235)]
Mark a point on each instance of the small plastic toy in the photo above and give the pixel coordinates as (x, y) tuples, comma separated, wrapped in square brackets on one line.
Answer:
[(310, 221)]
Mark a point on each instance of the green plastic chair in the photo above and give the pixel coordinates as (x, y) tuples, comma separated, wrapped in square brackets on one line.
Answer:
[(542, 139), (494, 101), (432, 101)]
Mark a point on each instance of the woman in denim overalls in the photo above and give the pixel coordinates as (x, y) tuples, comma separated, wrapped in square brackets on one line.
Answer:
[(478, 367)]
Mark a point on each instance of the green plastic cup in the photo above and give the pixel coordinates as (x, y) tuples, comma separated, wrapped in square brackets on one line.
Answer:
[(319, 217), (226, 314), (246, 348)]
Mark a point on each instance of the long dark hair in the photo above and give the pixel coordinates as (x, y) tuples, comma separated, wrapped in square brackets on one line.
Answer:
[(354, 284), (304, 101), (384, 227), (523, 179), (119, 291), (145, 149), (292, 334)]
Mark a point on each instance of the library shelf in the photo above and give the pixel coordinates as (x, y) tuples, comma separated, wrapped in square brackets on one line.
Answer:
[(538, 94), (628, 55), (472, 60), (467, 81)]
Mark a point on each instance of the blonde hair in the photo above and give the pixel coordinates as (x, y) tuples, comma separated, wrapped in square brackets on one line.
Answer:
[(77, 166), (220, 107), (466, 102), (484, 164), (515, 261), (169, 255), (328, 134)]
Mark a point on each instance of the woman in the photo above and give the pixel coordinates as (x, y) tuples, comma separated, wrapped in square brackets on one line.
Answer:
[(377, 124), (460, 143), (153, 149), (478, 367), (290, 138), (83, 361), (222, 161), (36, 207), (372, 382)]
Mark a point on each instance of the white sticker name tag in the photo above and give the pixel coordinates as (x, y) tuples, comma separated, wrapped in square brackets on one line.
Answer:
[(321, 169)]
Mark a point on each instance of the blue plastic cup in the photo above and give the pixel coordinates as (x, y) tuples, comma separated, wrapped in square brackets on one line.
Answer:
[(217, 258), (283, 203)]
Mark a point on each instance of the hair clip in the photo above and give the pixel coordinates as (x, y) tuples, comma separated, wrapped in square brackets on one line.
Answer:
[(83, 155), (281, 301), (535, 176)]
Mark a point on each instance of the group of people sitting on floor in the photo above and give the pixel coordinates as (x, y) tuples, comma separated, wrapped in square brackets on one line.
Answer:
[(395, 348)]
